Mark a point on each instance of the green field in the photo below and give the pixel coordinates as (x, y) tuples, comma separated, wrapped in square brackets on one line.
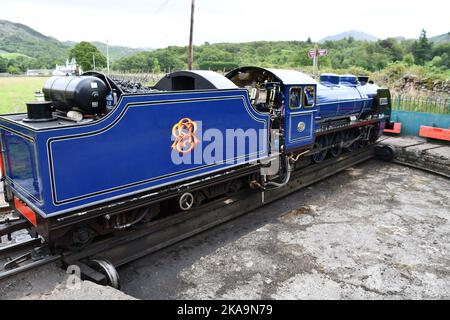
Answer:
[(16, 91), (8, 55)]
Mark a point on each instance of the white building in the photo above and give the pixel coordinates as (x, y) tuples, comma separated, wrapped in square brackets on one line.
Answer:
[(71, 68), (38, 72)]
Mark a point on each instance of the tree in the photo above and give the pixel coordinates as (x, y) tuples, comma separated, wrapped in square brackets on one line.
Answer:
[(169, 60), (309, 41), (84, 53), (393, 48), (13, 70), (3, 65), (422, 49), (409, 59), (442, 50), (302, 59), (156, 68), (342, 55)]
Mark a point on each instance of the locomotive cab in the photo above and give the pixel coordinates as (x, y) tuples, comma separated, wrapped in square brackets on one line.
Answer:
[(289, 96)]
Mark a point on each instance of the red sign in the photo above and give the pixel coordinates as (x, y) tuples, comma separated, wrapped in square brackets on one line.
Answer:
[(319, 52)]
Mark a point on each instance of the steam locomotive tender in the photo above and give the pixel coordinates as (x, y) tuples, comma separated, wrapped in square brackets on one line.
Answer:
[(100, 156)]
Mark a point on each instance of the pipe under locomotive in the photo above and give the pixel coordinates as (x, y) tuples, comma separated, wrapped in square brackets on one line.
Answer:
[(97, 157)]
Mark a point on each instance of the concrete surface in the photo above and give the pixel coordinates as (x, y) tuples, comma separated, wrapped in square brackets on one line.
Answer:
[(87, 291), (378, 231), (52, 283)]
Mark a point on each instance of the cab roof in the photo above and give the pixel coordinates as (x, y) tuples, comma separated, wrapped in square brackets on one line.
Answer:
[(286, 77), (194, 80)]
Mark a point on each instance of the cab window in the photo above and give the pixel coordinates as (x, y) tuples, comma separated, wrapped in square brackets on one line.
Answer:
[(309, 97), (295, 98)]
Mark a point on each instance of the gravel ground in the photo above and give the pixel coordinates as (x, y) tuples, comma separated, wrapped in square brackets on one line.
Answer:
[(378, 231)]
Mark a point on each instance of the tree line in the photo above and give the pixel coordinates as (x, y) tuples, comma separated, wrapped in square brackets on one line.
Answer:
[(342, 54), (346, 54)]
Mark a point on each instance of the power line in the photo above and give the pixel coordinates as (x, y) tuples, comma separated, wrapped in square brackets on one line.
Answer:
[(162, 6)]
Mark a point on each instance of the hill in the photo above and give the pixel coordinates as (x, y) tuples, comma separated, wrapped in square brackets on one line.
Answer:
[(117, 52), (356, 35), (21, 39), (443, 38), (36, 50), (22, 48)]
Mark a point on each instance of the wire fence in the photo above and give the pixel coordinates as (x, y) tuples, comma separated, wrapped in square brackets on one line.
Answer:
[(436, 105)]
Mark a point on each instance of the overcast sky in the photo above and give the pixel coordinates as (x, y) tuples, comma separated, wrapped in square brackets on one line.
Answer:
[(158, 23)]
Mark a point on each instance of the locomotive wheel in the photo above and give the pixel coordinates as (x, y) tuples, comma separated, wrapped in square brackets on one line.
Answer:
[(351, 135), (321, 142), (108, 270), (337, 139), (375, 134)]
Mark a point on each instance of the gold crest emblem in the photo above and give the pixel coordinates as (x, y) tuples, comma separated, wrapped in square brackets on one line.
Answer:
[(184, 133), (301, 126)]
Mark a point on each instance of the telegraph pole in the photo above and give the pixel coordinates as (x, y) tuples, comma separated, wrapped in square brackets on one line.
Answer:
[(191, 38), (315, 61)]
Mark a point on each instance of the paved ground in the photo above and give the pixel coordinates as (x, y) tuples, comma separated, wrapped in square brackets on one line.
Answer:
[(51, 283), (379, 231)]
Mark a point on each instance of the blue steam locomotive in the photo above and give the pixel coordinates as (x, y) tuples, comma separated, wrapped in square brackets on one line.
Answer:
[(101, 155)]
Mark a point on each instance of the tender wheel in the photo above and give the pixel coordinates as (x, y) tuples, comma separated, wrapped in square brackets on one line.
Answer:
[(235, 186), (320, 143), (106, 268), (385, 152), (81, 237), (337, 140), (186, 201)]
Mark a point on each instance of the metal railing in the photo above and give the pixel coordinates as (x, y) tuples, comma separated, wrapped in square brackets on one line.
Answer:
[(436, 105)]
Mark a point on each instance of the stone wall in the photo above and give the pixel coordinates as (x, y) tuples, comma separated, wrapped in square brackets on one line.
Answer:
[(413, 85)]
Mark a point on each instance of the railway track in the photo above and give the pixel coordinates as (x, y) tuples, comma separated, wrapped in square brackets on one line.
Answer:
[(407, 164), (98, 262), (401, 160), (23, 256)]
